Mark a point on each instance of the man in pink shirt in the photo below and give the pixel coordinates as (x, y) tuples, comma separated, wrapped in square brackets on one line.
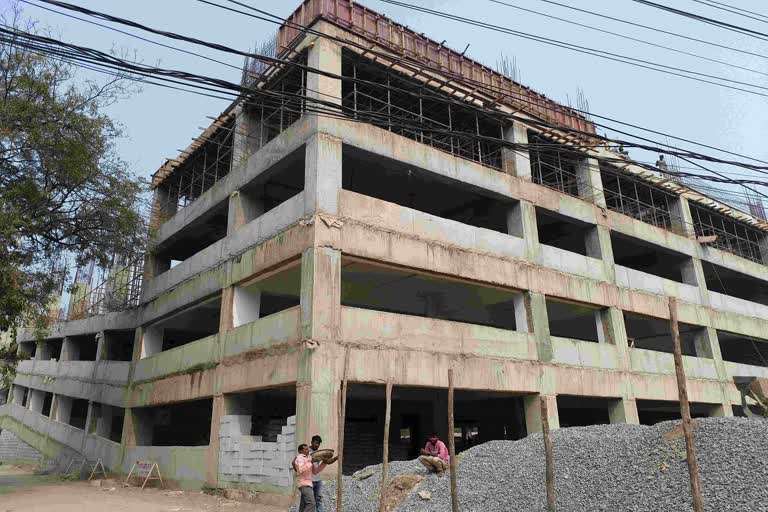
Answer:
[(435, 455), (304, 468)]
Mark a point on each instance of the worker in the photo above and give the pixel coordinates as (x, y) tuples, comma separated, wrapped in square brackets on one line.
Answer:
[(304, 468), (434, 455), (317, 483)]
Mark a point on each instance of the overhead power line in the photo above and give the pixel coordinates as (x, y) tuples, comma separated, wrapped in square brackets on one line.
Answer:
[(641, 63), (217, 82), (654, 29), (630, 38), (709, 21), (733, 10)]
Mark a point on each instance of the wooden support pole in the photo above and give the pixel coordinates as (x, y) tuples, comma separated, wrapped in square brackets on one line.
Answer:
[(383, 494), (548, 454), (452, 444), (342, 420), (685, 410)]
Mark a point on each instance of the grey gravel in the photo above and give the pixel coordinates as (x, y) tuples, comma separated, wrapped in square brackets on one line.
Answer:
[(597, 468)]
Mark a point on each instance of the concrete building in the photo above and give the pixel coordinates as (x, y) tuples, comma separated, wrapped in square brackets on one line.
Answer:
[(436, 215)]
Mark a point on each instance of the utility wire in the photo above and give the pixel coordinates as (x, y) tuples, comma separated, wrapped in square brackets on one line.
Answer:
[(641, 63), (709, 21), (630, 38), (655, 29), (738, 9), (731, 10), (420, 66), (630, 144)]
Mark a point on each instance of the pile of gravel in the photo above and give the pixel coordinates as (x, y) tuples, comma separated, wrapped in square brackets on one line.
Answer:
[(597, 468)]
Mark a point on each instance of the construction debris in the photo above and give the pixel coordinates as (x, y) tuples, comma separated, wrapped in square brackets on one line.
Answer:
[(598, 468)]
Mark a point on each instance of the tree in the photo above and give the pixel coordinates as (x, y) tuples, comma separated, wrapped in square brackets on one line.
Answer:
[(65, 195)]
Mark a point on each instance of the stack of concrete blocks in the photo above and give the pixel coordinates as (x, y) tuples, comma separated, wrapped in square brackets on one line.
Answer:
[(250, 460)]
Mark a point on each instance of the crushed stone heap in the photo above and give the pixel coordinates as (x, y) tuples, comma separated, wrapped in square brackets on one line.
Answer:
[(598, 468)]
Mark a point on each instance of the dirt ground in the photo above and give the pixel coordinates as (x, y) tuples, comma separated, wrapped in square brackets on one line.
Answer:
[(22, 491)]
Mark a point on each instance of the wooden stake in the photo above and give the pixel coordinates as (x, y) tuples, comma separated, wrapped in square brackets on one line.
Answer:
[(685, 410), (342, 420), (548, 454), (452, 444), (382, 506)]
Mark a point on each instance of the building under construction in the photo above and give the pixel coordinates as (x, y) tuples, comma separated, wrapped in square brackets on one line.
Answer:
[(379, 207)]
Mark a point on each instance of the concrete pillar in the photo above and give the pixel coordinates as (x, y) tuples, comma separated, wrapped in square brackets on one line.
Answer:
[(322, 174), (248, 136), (212, 455), (151, 341), (43, 351), (247, 305), (624, 410), (682, 220), (36, 400), (70, 350), (137, 431), (164, 206), (533, 413), (611, 329), (318, 380), (243, 208), (102, 348), (721, 410), (764, 249), (590, 181), (539, 325), (63, 408), (517, 161), (521, 222), (522, 304), (324, 55), (18, 395), (598, 244), (155, 265), (226, 320)]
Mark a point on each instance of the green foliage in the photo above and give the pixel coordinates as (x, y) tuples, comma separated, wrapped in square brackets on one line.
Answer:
[(9, 358), (65, 195), (213, 491)]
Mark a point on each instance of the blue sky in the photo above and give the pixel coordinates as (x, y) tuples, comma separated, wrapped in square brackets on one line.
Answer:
[(158, 121)]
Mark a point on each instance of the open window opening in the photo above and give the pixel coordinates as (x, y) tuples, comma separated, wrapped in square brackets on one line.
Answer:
[(479, 416), (399, 183), (72, 411), (656, 334), (49, 350), (191, 324), (639, 199), (118, 345), (47, 403), (26, 350), (573, 320), (649, 258), (723, 232), (581, 411), (274, 186), (179, 424), (738, 348), (205, 230), (267, 295), (555, 165), (20, 395), (397, 103), (80, 348), (263, 413), (651, 412), (566, 233), (394, 290), (729, 282), (107, 421)]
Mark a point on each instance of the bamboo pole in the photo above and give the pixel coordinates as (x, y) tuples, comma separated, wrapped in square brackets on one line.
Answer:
[(685, 410), (548, 454), (342, 421), (383, 494), (452, 444)]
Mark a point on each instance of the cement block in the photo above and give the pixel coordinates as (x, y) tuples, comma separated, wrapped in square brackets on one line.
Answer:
[(292, 420)]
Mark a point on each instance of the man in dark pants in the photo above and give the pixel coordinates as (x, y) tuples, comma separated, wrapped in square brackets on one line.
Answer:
[(317, 483)]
